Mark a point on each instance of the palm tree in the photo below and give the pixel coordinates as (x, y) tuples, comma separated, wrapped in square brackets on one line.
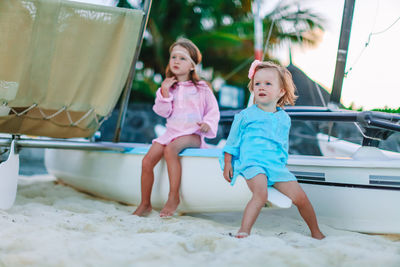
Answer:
[(224, 32), (232, 45)]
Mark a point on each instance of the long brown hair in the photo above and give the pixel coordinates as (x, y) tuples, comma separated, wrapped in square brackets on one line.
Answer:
[(285, 78), (194, 53)]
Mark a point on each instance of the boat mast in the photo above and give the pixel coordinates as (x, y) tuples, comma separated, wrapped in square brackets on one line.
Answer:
[(258, 39), (342, 52), (258, 31), (128, 86)]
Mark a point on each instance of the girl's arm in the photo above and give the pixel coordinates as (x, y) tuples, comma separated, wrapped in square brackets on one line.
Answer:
[(166, 85), (232, 145), (285, 143), (228, 169), (163, 103), (211, 114), (231, 150)]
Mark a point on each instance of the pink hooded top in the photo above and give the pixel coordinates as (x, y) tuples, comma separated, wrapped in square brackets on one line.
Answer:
[(187, 105)]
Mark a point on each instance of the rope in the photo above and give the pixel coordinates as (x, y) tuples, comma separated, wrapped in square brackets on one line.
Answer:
[(98, 119), (23, 112), (42, 113), (104, 119), (83, 117), (267, 40), (71, 122), (320, 94), (369, 40), (54, 114), (237, 69), (245, 62), (376, 33)]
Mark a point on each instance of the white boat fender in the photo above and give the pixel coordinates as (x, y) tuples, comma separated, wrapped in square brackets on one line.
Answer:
[(9, 170), (277, 199)]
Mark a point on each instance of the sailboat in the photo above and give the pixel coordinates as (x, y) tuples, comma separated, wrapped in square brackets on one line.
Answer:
[(56, 71), (358, 192)]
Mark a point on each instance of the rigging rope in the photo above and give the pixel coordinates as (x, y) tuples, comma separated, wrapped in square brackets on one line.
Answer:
[(369, 40), (267, 40), (245, 62), (72, 123)]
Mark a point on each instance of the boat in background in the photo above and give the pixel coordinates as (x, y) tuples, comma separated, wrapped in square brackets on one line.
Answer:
[(334, 147)]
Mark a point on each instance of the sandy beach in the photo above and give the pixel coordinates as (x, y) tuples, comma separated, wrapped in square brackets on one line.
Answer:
[(53, 225)]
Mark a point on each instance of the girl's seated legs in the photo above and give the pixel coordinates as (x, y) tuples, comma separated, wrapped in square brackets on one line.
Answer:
[(150, 160), (299, 198), (171, 152)]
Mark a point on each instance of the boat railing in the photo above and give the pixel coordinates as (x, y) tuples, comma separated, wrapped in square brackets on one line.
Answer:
[(368, 118), (53, 143), (373, 125)]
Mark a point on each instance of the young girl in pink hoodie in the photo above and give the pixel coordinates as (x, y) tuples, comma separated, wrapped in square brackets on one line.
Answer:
[(192, 113)]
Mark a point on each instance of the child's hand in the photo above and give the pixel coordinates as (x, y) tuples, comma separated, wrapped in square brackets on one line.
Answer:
[(166, 84), (228, 172), (204, 127)]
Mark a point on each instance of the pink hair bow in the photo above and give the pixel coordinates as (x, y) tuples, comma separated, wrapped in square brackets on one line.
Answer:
[(253, 68)]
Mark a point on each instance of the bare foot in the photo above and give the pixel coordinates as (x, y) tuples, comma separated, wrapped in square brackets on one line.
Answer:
[(239, 235), (318, 236), (170, 207), (143, 210)]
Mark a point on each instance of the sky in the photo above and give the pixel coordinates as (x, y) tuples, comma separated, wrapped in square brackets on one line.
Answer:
[(372, 81)]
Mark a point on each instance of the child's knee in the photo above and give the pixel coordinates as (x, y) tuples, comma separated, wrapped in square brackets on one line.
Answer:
[(261, 196), (169, 152), (147, 164), (300, 199)]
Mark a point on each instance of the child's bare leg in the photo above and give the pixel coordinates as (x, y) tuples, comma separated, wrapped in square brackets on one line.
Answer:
[(294, 191), (171, 152), (150, 160), (258, 186)]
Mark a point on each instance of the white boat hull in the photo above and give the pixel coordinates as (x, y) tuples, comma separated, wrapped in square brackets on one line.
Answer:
[(352, 194), (116, 176)]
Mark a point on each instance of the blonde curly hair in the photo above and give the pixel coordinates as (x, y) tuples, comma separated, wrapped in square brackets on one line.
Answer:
[(285, 78)]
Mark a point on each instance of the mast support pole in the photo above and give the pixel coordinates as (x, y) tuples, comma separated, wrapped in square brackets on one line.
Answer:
[(342, 52), (258, 31), (128, 85)]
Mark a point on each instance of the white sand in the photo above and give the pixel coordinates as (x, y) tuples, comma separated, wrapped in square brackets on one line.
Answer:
[(53, 225)]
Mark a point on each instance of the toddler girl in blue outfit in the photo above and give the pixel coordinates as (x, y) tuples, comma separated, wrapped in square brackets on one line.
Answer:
[(257, 146)]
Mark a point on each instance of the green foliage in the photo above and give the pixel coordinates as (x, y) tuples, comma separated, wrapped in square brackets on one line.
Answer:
[(385, 109), (224, 32), (388, 110), (143, 91), (351, 107)]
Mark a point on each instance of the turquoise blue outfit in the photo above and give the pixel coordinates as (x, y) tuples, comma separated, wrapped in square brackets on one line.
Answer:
[(258, 143)]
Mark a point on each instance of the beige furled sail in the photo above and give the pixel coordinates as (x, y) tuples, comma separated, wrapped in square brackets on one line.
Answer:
[(63, 65)]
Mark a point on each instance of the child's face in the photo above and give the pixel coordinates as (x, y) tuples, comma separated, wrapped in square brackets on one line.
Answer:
[(267, 87), (179, 61)]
